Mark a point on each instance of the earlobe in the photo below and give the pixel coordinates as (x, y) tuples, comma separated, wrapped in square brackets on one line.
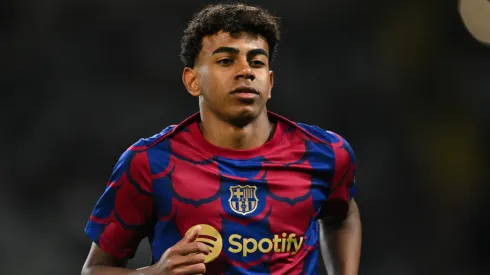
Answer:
[(191, 82)]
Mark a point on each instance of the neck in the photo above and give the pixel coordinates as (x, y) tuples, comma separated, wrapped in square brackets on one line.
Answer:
[(224, 134)]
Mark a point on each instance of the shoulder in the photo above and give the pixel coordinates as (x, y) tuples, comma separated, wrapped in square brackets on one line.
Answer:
[(147, 151), (313, 132), (134, 161), (333, 139), (144, 144), (317, 133), (136, 155), (320, 134)]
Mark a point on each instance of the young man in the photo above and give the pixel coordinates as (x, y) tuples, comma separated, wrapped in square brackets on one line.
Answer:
[(234, 189)]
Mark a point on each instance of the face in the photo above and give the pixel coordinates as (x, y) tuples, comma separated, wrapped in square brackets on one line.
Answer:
[(231, 76)]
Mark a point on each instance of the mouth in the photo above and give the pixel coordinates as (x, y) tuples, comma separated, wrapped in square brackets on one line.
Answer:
[(244, 90)]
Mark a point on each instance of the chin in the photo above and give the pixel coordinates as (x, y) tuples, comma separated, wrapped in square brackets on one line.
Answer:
[(243, 116)]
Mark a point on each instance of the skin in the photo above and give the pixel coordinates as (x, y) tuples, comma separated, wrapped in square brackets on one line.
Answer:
[(225, 63), (237, 121), (340, 242), (185, 257)]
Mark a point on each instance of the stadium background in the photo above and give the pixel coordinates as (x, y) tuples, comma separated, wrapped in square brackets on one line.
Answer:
[(403, 81)]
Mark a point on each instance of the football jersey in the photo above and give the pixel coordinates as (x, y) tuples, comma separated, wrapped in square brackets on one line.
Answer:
[(258, 208)]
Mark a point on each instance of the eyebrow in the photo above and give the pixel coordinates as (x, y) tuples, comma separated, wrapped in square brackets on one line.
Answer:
[(232, 50)]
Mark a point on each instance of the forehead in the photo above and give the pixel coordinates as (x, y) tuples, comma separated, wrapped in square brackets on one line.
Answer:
[(242, 41)]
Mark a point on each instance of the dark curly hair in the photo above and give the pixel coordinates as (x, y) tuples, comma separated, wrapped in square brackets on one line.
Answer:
[(231, 18)]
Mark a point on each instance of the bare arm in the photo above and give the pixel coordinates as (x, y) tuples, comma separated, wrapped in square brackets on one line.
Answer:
[(100, 262), (340, 243), (185, 257)]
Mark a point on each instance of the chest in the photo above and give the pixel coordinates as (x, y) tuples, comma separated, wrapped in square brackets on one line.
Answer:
[(247, 192)]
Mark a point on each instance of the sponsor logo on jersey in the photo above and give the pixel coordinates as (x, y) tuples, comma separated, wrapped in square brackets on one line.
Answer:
[(212, 239), (279, 243)]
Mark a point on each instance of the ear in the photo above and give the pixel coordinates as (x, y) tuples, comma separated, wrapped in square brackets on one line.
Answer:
[(271, 80), (191, 81)]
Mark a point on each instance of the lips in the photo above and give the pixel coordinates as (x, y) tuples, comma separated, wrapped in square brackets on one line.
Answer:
[(245, 90)]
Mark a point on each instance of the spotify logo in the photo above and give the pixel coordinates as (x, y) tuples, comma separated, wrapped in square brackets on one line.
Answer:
[(238, 244), (210, 237)]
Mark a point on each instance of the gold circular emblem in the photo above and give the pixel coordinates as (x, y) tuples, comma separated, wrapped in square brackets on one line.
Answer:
[(212, 239)]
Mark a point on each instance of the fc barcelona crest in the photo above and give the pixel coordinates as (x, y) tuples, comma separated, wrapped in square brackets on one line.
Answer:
[(243, 199)]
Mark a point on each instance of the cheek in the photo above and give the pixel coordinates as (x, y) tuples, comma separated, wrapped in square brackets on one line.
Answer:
[(214, 84), (265, 79), (203, 75), (218, 81)]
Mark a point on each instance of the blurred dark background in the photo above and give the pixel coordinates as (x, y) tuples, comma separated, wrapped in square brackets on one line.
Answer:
[(403, 81)]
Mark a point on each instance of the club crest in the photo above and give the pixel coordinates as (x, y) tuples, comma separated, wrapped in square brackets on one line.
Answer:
[(243, 199)]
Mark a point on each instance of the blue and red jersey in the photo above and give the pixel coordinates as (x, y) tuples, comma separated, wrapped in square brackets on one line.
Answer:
[(258, 208)]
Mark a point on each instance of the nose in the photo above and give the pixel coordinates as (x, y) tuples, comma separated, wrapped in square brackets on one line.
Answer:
[(245, 71)]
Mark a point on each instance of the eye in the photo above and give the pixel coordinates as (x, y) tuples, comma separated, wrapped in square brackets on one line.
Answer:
[(257, 63), (225, 61)]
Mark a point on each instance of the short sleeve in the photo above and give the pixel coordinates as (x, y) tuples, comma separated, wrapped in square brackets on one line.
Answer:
[(342, 187), (121, 217)]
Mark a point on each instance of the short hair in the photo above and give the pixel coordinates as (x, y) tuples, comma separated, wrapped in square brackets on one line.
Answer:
[(230, 18)]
